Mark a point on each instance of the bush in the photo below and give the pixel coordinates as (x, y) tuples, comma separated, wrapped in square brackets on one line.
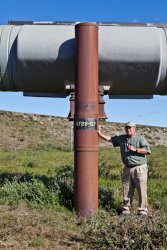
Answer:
[(110, 199), (39, 191), (35, 193)]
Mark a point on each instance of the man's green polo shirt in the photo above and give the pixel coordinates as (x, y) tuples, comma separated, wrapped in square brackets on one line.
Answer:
[(130, 158)]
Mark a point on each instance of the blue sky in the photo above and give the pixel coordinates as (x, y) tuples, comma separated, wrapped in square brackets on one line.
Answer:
[(147, 112)]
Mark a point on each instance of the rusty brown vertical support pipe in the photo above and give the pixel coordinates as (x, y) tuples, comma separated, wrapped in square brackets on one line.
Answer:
[(72, 107), (86, 120), (102, 114)]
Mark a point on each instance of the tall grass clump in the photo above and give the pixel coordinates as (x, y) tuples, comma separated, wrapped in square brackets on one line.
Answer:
[(110, 198), (34, 193)]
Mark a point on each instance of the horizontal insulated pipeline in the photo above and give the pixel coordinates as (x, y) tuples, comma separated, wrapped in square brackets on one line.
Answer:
[(41, 58)]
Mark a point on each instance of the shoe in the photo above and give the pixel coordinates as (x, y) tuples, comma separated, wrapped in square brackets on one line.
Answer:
[(125, 212), (142, 213)]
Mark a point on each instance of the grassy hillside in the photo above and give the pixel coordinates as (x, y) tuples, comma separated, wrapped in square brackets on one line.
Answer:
[(21, 131), (36, 190)]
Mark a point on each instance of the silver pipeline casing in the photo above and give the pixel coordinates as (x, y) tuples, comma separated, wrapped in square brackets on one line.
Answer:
[(40, 58)]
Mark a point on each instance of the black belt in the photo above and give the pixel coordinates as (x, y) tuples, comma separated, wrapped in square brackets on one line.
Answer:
[(132, 166)]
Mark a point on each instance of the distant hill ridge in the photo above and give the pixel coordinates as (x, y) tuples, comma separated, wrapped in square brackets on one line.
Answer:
[(20, 131)]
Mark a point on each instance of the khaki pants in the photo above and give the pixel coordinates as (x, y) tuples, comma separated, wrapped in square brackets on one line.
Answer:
[(132, 178)]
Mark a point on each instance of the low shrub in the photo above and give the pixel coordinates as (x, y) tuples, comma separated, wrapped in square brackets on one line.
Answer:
[(34, 193), (104, 232)]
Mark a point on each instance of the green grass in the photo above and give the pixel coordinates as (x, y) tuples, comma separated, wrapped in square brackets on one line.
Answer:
[(38, 162), (41, 178), (48, 160)]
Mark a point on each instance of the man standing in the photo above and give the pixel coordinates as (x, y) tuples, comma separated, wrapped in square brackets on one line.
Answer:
[(134, 148)]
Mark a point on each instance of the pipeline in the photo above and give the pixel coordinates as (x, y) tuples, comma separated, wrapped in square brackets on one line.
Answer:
[(39, 59)]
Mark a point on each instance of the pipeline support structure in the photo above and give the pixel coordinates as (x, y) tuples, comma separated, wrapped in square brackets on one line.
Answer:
[(124, 60)]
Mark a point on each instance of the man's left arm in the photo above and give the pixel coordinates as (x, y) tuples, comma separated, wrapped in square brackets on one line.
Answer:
[(143, 149)]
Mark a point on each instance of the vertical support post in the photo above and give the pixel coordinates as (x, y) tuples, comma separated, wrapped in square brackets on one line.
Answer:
[(102, 114), (86, 120), (72, 106)]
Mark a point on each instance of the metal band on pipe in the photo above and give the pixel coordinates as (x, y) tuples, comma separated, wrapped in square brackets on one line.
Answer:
[(86, 123)]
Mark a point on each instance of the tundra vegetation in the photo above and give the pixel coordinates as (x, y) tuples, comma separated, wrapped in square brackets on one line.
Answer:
[(37, 194)]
